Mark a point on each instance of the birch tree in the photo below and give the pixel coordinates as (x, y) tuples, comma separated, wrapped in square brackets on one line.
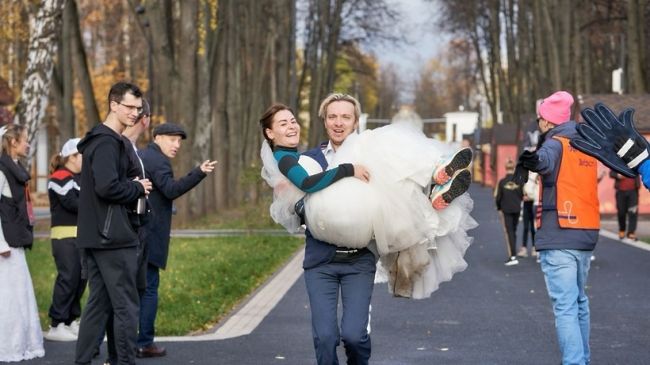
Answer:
[(36, 85)]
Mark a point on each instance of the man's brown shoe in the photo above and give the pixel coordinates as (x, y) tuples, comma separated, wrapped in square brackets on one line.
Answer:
[(151, 351)]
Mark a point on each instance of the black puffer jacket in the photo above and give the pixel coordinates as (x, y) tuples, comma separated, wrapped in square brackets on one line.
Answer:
[(508, 195), (106, 191)]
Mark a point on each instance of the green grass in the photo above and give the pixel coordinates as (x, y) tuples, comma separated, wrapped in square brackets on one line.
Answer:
[(244, 216), (204, 280)]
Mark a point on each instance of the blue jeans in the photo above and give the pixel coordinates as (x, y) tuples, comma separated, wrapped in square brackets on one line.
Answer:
[(355, 280), (565, 273), (149, 307)]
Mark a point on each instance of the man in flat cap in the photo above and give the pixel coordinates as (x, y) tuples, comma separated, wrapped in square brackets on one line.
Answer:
[(156, 160)]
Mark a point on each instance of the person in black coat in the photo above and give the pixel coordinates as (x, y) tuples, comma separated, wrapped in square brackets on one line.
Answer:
[(105, 231), (508, 196), (156, 160)]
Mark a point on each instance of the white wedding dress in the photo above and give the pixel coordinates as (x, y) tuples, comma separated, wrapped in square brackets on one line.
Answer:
[(21, 337), (419, 247)]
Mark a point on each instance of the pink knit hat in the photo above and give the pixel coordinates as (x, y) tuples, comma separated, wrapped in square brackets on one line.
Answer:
[(557, 107)]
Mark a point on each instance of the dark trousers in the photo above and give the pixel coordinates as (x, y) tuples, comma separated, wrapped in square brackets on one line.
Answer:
[(141, 284), (627, 206), (112, 282), (149, 307), (354, 279), (529, 223), (511, 220), (68, 285)]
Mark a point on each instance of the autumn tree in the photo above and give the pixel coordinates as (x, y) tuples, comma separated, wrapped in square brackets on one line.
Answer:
[(330, 25), (527, 49)]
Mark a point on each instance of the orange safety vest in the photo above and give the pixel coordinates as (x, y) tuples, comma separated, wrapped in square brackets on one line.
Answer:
[(576, 190)]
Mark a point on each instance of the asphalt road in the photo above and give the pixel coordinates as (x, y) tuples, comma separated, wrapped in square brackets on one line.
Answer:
[(488, 314)]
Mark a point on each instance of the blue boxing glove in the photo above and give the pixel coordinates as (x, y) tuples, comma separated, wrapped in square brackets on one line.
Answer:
[(599, 133)]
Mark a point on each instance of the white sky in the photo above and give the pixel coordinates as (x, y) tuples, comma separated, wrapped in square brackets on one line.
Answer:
[(424, 39)]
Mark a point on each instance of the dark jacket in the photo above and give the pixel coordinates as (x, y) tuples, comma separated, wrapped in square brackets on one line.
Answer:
[(106, 191), (16, 225), (63, 191), (317, 252), (508, 195), (165, 190)]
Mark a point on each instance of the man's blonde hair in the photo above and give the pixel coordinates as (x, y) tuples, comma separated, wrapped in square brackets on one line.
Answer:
[(322, 111)]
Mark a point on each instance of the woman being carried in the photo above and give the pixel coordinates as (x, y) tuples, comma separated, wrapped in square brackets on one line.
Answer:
[(419, 246)]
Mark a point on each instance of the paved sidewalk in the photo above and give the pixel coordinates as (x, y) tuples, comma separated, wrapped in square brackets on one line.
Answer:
[(489, 314)]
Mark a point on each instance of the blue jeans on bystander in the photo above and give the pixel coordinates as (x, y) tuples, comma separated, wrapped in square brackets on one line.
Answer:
[(149, 307), (565, 273)]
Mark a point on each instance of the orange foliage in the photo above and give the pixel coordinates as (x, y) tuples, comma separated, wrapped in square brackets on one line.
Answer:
[(102, 78)]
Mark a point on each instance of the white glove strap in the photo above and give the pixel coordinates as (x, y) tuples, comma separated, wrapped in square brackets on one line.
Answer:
[(624, 148), (638, 159)]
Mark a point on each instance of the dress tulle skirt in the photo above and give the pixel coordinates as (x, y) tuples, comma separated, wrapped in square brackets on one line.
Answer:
[(418, 246), (21, 337)]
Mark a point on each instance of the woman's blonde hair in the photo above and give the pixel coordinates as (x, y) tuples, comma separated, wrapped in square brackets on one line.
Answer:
[(12, 133)]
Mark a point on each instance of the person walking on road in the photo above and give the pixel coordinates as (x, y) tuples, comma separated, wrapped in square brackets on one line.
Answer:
[(105, 231), (627, 203), (508, 196), (156, 160), (570, 220), (330, 269)]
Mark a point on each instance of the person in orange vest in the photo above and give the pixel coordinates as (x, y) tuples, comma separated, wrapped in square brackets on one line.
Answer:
[(568, 221)]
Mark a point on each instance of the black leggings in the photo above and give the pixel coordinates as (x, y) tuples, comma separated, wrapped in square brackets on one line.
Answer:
[(511, 220), (529, 224)]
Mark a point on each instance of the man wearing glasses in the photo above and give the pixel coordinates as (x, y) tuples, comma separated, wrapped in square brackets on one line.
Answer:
[(104, 230)]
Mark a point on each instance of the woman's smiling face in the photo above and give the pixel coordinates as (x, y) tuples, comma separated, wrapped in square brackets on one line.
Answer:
[(285, 130)]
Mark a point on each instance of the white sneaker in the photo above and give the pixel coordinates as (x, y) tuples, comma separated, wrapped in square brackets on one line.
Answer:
[(60, 333), (73, 328), (512, 261)]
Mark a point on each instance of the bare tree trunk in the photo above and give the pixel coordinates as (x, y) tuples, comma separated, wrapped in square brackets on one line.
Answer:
[(323, 60), (563, 38), (161, 24), (541, 57), (36, 86), (80, 66), (551, 46), (67, 123), (635, 78), (577, 46)]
